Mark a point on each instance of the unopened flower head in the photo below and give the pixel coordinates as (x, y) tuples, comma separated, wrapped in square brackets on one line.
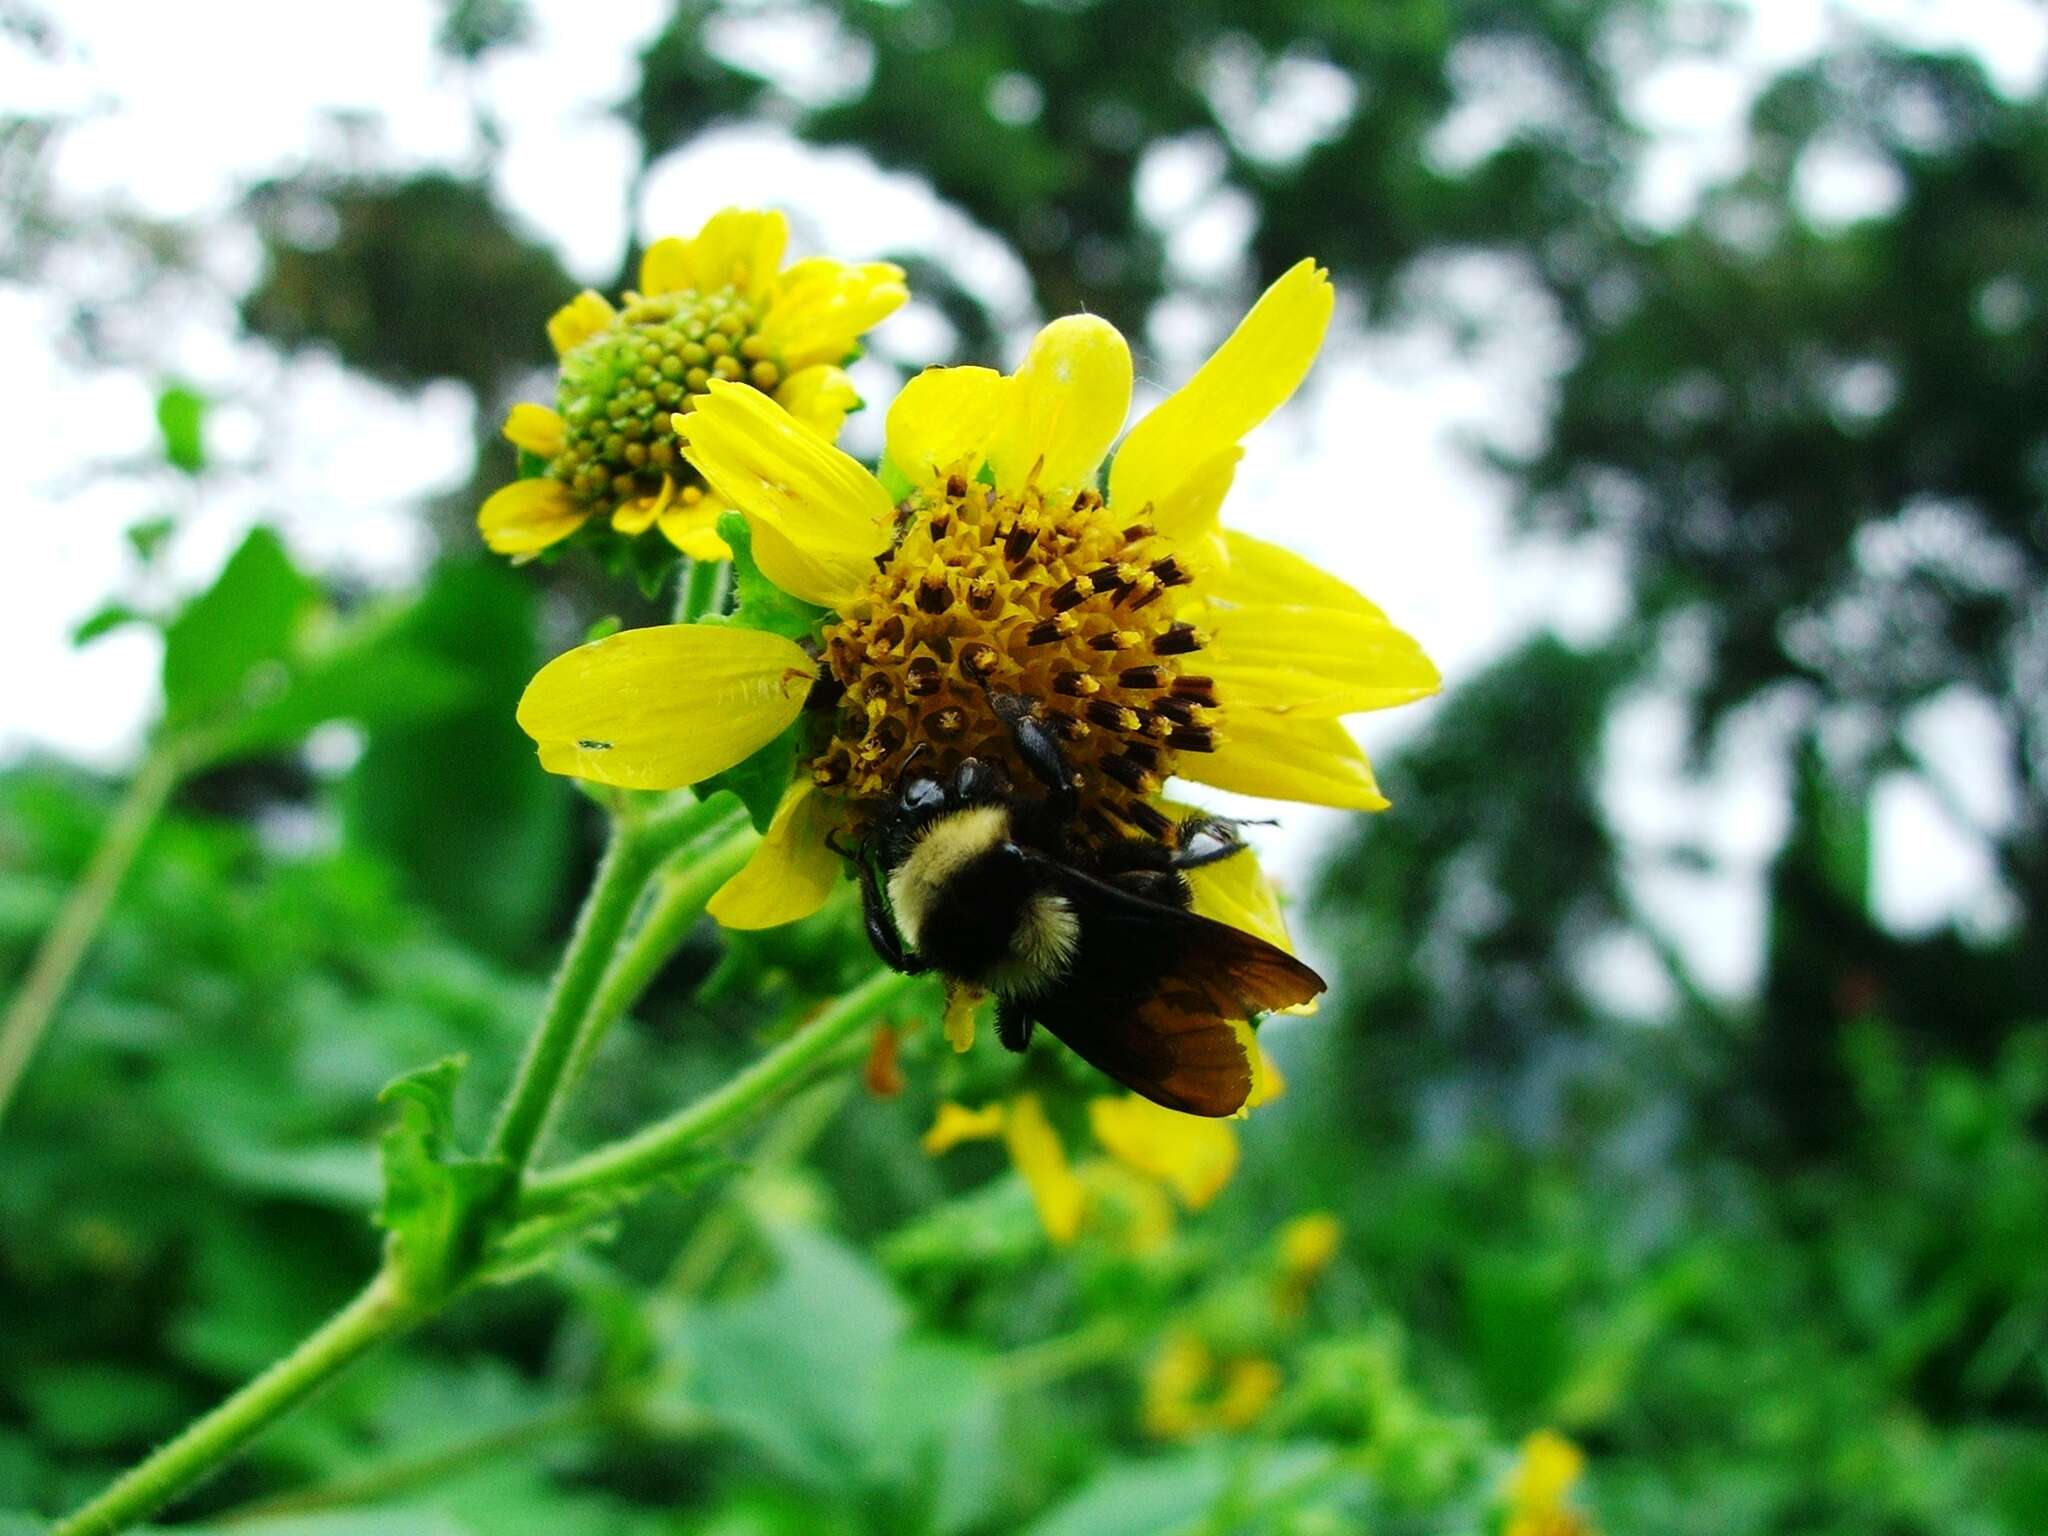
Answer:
[(719, 306)]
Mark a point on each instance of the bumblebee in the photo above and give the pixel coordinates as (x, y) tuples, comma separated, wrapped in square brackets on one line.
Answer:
[(967, 877)]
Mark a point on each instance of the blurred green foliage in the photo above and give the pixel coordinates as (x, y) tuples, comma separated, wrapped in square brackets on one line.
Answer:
[(1774, 1260)]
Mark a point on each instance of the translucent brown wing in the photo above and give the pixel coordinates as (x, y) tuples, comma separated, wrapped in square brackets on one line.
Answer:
[(1151, 991)]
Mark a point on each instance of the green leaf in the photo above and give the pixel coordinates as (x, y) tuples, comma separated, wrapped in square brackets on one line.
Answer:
[(760, 604), (796, 1368), (227, 647), (603, 629), (181, 418), (454, 801), (438, 1207), (147, 536), (894, 481), (104, 621), (760, 779)]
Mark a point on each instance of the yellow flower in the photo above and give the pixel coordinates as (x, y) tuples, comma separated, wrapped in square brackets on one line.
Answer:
[(717, 307), (1155, 1150), (1537, 1489), (1188, 1392), (1011, 570)]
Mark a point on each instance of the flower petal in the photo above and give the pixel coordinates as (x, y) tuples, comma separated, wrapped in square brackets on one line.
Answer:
[(1251, 374), (1267, 1083), (691, 524), (528, 515), (663, 707), (579, 320), (1315, 662), (635, 517), (1042, 1162), (1260, 572), (1065, 406), (957, 1123), (1193, 1155), (665, 266), (1287, 757), (820, 398), (1236, 891), (536, 429), (818, 518), (1191, 514), (943, 419), (738, 246), (794, 870), (821, 308)]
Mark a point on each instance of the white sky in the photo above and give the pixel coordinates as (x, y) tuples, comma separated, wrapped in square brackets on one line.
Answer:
[(1369, 472)]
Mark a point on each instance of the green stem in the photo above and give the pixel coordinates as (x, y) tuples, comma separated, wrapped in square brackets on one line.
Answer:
[(638, 847), (701, 591), (401, 1473), (680, 896), (374, 1316), (667, 1142), (78, 920)]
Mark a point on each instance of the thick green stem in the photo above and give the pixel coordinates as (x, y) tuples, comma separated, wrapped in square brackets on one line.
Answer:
[(374, 1316), (680, 896), (638, 846), (78, 920), (668, 1142)]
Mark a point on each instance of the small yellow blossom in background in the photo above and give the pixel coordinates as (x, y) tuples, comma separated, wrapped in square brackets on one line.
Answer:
[(1188, 1392), (1154, 1149), (1156, 642), (1307, 1245), (718, 306), (1549, 1467)]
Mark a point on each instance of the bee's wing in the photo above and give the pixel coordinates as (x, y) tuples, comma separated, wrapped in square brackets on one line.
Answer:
[(1151, 991)]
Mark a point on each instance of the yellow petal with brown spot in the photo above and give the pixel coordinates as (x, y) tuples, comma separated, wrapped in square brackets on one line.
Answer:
[(818, 518), (1193, 1155), (663, 707), (1249, 377), (942, 420), (792, 873), (1064, 407), (1287, 757), (528, 515)]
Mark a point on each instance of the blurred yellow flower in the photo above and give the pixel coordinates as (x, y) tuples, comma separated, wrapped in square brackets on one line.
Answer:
[(1009, 570), (1536, 1491), (1187, 1391), (718, 306), (1165, 1151)]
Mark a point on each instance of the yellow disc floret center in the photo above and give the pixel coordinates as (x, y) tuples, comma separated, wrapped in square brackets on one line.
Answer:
[(1027, 593), (620, 387)]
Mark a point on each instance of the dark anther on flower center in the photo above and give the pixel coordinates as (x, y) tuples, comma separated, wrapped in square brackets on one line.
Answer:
[(620, 387), (1023, 594)]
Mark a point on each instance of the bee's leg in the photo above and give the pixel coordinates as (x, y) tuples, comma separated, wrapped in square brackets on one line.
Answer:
[(1206, 840), (1013, 1024), (882, 934), (1041, 751)]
